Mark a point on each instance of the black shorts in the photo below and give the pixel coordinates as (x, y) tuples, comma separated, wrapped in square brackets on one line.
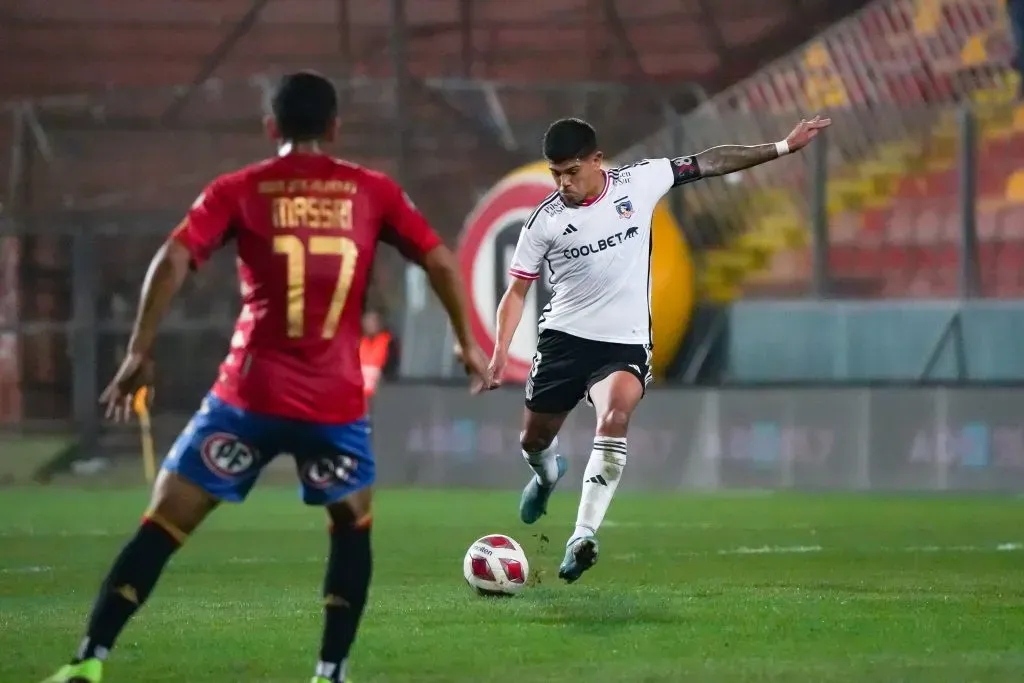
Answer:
[(565, 367)]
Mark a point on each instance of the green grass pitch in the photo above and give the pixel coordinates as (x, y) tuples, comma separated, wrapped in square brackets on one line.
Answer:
[(772, 587)]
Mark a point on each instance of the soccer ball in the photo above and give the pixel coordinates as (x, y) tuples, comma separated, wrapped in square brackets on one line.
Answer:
[(496, 565)]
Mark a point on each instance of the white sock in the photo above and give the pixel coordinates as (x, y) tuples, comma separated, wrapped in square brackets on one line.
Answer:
[(600, 479), (332, 671), (543, 463), (99, 653)]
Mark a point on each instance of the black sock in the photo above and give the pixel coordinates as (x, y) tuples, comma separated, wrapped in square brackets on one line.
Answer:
[(126, 587), (345, 588)]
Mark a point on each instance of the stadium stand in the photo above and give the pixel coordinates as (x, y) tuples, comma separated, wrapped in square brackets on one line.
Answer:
[(894, 75)]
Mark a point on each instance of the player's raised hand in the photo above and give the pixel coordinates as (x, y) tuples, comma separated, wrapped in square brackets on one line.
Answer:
[(806, 131), (135, 373)]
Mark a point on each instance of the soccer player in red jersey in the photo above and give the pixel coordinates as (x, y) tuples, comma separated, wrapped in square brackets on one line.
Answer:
[(306, 227)]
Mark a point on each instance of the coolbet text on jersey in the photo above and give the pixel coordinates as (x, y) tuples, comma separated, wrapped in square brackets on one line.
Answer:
[(306, 228), (599, 253)]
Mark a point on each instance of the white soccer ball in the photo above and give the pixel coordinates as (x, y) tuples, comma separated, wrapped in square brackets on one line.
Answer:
[(496, 565)]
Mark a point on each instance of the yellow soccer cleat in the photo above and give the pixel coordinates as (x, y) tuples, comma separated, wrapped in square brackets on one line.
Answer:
[(88, 671)]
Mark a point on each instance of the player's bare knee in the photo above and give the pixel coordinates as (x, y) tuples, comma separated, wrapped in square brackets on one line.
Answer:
[(355, 510), (613, 422), (178, 505), (535, 441)]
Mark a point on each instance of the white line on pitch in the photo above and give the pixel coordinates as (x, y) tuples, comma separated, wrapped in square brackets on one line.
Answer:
[(612, 524), (772, 550), (805, 549), (628, 557), (31, 569)]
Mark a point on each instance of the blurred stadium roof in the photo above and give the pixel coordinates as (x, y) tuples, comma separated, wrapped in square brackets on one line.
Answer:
[(71, 46), (180, 82)]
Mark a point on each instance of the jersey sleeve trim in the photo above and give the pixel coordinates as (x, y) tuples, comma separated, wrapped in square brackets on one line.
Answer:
[(523, 275)]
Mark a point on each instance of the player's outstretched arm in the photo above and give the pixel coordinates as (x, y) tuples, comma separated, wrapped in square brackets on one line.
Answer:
[(731, 158)]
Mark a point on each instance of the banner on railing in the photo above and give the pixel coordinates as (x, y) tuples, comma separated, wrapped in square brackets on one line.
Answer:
[(828, 439)]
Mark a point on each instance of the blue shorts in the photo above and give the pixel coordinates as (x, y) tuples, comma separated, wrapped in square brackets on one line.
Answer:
[(223, 450)]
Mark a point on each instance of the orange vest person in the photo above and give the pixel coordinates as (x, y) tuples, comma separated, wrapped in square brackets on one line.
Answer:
[(374, 352)]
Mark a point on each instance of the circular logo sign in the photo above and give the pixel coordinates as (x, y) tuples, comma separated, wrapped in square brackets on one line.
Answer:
[(226, 455), (324, 472), (488, 240)]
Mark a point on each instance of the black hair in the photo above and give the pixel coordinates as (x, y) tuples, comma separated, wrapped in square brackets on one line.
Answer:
[(305, 105), (568, 139)]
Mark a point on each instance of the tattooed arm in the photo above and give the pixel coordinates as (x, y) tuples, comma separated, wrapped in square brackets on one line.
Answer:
[(730, 158), (725, 159)]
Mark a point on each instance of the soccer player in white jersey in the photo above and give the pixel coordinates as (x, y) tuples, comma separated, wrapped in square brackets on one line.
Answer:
[(594, 233)]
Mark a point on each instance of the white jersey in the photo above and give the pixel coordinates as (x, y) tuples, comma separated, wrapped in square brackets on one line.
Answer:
[(598, 255)]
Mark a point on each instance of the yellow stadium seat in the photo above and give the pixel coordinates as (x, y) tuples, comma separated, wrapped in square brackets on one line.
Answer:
[(816, 57), (1018, 118), (926, 16), (974, 51), (1015, 187)]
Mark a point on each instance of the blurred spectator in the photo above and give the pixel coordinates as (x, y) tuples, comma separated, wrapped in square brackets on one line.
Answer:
[(378, 352), (1015, 8)]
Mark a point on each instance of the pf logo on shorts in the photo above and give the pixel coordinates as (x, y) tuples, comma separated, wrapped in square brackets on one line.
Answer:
[(486, 246), (324, 472), (226, 455)]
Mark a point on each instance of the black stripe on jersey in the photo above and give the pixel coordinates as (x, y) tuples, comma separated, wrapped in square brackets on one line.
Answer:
[(650, 258), (536, 212), (551, 270)]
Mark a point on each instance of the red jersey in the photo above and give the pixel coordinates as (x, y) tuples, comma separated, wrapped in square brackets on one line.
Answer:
[(306, 227)]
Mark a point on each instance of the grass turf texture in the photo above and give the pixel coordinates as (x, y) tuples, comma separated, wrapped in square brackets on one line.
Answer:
[(688, 588)]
